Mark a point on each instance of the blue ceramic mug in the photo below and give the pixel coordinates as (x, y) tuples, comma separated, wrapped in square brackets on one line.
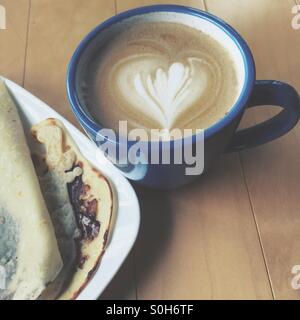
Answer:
[(221, 137)]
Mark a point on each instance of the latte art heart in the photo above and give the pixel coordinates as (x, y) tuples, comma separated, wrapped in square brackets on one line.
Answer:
[(161, 75), (160, 93), (165, 91)]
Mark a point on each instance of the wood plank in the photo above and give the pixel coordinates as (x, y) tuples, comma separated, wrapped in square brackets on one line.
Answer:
[(272, 171), (56, 27), (13, 39), (200, 242), (123, 5)]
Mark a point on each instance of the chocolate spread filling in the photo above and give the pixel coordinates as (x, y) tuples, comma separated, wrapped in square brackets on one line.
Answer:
[(85, 210)]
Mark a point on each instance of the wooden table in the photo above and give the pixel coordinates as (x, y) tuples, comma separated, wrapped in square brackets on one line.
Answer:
[(233, 234)]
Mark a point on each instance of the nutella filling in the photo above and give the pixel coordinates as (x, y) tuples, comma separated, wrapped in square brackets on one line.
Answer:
[(85, 209)]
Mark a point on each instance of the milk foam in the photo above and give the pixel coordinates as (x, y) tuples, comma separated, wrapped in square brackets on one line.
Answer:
[(163, 75)]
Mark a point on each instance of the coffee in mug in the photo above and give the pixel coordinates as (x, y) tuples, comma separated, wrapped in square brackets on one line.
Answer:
[(160, 75)]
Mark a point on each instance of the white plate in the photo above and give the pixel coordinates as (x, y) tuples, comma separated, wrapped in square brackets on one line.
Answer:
[(32, 111)]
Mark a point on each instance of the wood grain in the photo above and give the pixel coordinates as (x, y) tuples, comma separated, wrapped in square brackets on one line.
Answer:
[(122, 5), (13, 39), (201, 241), (272, 171), (56, 28)]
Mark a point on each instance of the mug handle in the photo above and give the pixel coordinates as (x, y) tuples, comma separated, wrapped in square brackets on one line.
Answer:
[(269, 92)]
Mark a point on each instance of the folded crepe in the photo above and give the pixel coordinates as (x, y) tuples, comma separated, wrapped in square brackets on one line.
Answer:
[(29, 254), (80, 202)]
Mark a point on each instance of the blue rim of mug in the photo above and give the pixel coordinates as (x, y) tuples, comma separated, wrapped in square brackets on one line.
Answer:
[(93, 127)]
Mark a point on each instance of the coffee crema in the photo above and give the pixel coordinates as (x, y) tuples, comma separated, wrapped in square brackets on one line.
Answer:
[(161, 75)]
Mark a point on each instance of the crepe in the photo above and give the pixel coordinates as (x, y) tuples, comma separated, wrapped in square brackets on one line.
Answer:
[(29, 254), (81, 204)]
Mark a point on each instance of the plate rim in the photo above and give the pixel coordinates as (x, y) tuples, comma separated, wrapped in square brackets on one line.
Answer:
[(92, 293)]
